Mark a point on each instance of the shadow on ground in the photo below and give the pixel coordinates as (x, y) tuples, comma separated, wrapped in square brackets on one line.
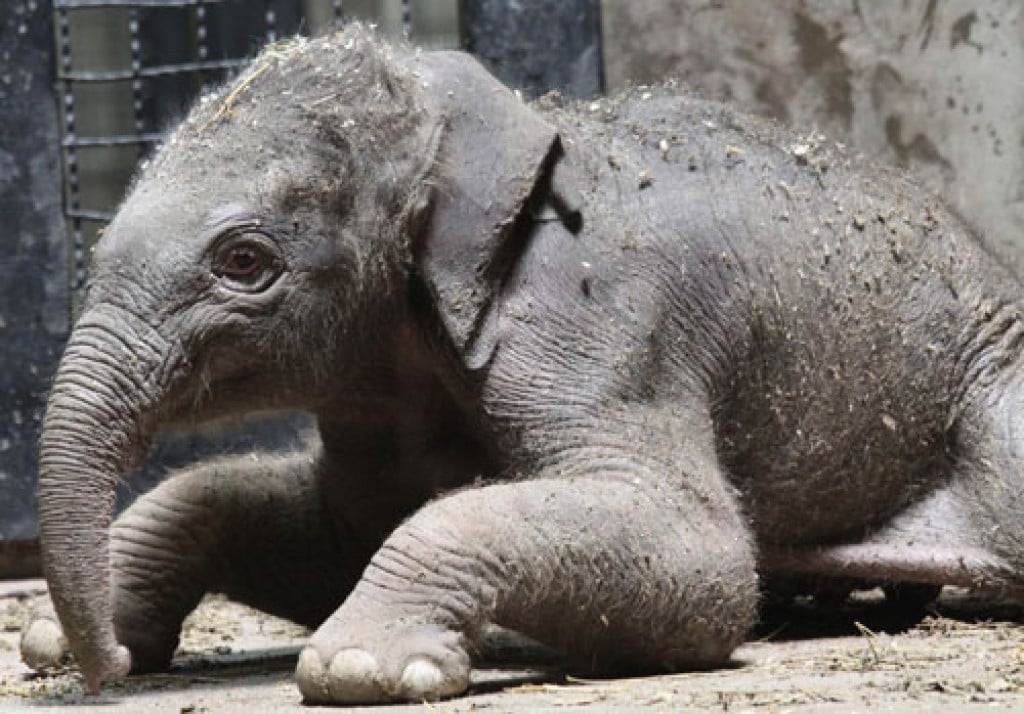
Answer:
[(808, 654)]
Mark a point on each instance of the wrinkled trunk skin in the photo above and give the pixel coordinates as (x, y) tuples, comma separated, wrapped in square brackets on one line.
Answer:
[(95, 429)]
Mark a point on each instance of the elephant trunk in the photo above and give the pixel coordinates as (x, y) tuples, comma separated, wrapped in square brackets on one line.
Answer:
[(97, 426)]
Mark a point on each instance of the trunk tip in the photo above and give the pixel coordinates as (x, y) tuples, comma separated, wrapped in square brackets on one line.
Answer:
[(112, 670)]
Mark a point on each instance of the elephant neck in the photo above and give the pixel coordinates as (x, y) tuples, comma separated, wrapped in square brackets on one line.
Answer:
[(408, 423)]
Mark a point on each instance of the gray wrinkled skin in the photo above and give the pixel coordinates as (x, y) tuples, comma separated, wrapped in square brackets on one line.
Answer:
[(586, 373)]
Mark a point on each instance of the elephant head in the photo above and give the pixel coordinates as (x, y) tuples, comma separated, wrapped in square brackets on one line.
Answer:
[(268, 247)]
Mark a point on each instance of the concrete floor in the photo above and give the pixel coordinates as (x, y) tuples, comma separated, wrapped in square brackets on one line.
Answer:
[(963, 657)]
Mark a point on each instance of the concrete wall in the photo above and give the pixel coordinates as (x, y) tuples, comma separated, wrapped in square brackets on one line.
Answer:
[(537, 45), (936, 86)]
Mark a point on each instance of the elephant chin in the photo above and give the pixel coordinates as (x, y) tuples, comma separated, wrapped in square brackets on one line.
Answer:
[(95, 429)]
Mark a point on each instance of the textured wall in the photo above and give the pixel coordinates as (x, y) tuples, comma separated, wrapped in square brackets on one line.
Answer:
[(936, 86), (537, 45), (33, 264)]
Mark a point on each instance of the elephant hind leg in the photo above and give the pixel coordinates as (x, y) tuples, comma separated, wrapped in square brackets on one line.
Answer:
[(278, 546), (255, 528), (968, 531), (888, 563), (932, 542)]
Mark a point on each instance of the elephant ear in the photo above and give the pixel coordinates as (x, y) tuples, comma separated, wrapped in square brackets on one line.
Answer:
[(493, 151)]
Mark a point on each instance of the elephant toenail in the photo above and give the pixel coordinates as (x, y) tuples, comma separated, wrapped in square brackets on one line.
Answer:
[(355, 677), (311, 677), (423, 679), (43, 645)]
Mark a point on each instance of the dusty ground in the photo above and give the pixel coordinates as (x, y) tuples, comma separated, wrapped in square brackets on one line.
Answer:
[(965, 655)]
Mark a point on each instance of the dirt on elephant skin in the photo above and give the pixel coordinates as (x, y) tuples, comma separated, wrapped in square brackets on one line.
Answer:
[(963, 653)]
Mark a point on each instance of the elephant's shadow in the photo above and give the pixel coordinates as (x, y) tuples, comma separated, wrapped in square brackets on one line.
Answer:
[(511, 661), (872, 610)]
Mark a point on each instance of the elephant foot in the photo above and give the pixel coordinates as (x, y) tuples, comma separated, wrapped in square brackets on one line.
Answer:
[(44, 647), (145, 645), (423, 663)]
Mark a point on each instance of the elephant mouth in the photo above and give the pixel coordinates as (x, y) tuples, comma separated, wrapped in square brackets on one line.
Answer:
[(245, 389), (244, 382)]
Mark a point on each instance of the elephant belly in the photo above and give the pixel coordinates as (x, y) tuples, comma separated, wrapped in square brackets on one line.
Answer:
[(820, 457)]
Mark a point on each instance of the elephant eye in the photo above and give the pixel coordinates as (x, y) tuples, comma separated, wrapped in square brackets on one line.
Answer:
[(242, 261), (248, 263)]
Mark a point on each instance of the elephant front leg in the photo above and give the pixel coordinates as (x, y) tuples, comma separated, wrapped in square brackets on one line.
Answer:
[(255, 528), (619, 575)]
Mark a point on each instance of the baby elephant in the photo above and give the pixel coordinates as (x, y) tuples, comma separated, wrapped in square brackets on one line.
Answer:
[(582, 372)]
